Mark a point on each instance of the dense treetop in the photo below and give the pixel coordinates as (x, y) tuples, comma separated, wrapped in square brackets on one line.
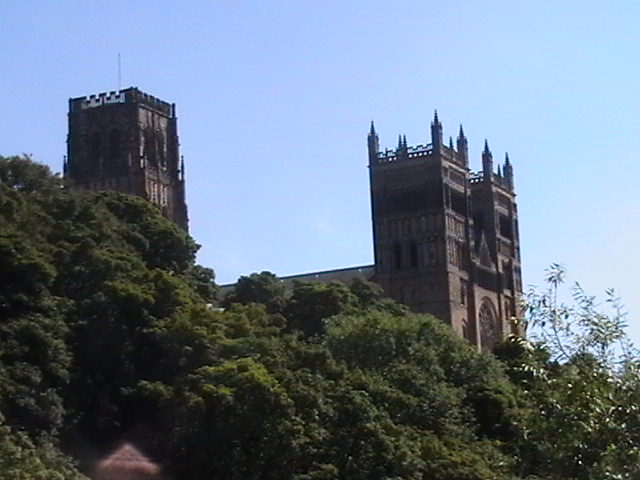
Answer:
[(107, 333)]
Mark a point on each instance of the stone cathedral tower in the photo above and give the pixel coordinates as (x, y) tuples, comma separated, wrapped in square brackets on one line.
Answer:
[(127, 141), (446, 239)]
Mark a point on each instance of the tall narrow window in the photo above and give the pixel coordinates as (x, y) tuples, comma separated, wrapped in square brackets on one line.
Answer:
[(506, 227), (150, 146), (161, 156), (460, 254), (413, 254), (397, 256), (432, 250), (489, 329), (465, 328)]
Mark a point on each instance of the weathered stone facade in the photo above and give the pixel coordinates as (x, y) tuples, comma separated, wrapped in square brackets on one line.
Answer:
[(446, 239), (127, 141)]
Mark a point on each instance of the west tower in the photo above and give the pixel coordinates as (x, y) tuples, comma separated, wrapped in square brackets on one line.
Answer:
[(127, 141), (445, 238)]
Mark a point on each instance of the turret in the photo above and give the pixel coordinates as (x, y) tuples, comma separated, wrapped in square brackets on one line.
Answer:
[(402, 152), (487, 161), (373, 142), (436, 133), (508, 172), (463, 147)]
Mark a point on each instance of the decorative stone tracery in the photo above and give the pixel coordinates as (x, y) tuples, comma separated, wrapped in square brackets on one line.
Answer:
[(489, 329)]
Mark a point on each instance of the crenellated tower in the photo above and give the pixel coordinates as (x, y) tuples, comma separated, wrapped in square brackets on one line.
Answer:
[(127, 141), (445, 238)]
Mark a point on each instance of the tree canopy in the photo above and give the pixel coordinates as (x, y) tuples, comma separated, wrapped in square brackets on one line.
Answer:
[(107, 333)]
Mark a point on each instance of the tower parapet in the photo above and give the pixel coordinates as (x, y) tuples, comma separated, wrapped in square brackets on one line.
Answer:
[(503, 178), (129, 95), (445, 237)]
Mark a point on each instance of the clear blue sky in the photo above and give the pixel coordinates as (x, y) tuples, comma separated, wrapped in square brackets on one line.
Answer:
[(274, 101)]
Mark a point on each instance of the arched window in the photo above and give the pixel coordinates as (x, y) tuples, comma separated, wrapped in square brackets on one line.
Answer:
[(488, 322), (465, 329)]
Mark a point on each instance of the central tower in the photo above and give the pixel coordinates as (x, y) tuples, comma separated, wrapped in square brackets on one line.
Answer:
[(445, 238), (127, 141)]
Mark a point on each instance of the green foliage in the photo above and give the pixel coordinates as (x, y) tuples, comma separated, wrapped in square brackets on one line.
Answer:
[(254, 400), (264, 288), (107, 330), (585, 327), (34, 359), (312, 303), (23, 459), (22, 174), (581, 385), (85, 277), (202, 280), (370, 296)]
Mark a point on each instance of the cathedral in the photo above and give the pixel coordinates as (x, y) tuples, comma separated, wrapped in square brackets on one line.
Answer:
[(127, 141), (445, 238)]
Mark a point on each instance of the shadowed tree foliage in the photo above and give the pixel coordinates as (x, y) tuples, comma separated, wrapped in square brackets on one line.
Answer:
[(106, 332), (84, 277), (312, 303), (371, 296), (22, 458)]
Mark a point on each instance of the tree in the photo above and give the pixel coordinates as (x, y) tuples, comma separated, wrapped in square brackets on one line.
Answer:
[(106, 329), (581, 382), (23, 459), (312, 303), (371, 296), (85, 279), (34, 359), (263, 287), (23, 174)]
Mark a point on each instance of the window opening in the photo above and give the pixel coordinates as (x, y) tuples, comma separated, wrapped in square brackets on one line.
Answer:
[(397, 256), (413, 254)]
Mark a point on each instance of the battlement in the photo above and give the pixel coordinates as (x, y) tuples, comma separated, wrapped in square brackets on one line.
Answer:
[(391, 155), (92, 101), (476, 178), (129, 95)]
